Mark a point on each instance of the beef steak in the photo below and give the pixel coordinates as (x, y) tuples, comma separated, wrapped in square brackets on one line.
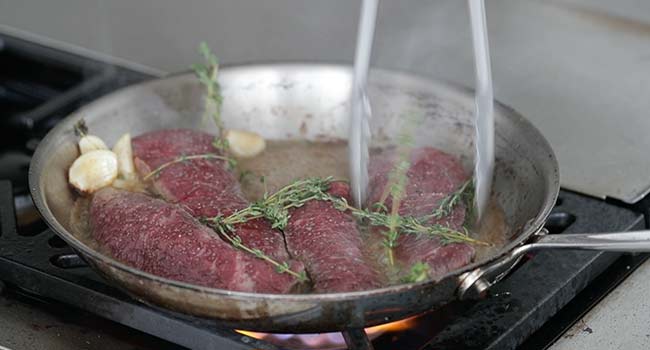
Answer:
[(329, 243), (432, 175), (206, 187), (163, 239)]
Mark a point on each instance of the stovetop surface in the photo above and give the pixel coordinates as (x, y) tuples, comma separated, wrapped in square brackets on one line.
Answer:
[(530, 308)]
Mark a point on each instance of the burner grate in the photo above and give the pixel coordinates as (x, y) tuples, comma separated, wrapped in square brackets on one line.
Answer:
[(44, 265)]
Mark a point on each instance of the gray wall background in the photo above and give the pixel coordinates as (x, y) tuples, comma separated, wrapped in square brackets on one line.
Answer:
[(579, 69), (164, 33)]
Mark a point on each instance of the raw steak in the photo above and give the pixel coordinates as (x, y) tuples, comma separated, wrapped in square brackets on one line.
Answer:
[(206, 187), (163, 239), (432, 175), (328, 242)]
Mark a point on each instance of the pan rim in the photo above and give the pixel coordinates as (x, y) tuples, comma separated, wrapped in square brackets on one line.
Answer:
[(37, 193)]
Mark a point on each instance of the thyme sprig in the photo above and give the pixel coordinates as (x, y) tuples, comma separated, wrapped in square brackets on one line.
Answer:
[(236, 241), (397, 181), (181, 159), (464, 194), (409, 224), (275, 209), (207, 75), (396, 185)]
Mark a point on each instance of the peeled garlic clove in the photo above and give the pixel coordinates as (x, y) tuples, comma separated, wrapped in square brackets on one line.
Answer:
[(124, 153), (245, 144), (91, 143), (93, 170)]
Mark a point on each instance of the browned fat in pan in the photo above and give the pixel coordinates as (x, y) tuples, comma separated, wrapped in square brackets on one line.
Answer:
[(307, 102)]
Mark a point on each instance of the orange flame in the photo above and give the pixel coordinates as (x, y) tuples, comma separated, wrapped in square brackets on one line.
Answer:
[(252, 334), (393, 326), (371, 331)]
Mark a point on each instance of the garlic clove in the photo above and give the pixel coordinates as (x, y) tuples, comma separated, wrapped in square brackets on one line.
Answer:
[(124, 153), (93, 170), (91, 143), (245, 144)]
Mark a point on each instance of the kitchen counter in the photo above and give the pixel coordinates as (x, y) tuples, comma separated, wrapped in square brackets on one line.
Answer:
[(620, 321)]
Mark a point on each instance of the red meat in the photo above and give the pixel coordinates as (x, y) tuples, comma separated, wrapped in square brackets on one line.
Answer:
[(329, 243), (432, 175), (164, 240)]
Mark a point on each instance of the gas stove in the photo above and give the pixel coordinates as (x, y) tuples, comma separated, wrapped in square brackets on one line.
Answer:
[(536, 303)]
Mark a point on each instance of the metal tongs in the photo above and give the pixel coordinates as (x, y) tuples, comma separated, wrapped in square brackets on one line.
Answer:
[(484, 114), (359, 137)]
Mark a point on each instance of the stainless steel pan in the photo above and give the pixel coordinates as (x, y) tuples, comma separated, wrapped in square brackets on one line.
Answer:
[(310, 102)]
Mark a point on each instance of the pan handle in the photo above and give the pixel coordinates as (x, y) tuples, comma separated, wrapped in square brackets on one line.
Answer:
[(631, 242), (476, 282)]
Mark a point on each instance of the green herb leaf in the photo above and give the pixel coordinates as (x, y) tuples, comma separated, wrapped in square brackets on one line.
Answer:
[(207, 75), (418, 272), (282, 268)]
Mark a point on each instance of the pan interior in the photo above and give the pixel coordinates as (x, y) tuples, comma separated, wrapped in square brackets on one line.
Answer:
[(305, 102)]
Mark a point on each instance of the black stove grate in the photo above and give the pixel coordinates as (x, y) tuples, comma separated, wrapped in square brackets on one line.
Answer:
[(44, 265)]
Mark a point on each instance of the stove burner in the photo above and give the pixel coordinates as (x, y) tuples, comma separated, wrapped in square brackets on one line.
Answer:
[(320, 341), (328, 341)]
